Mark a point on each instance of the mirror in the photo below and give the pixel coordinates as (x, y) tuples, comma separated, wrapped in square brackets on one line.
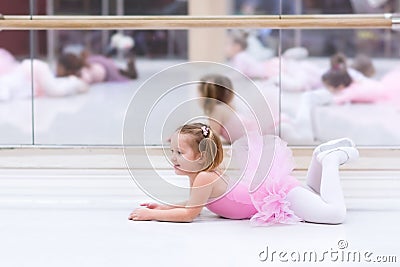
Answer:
[(15, 114), (86, 105), (338, 83)]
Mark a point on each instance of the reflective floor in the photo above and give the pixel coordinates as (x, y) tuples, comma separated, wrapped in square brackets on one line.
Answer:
[(77, 217), (101, 237)]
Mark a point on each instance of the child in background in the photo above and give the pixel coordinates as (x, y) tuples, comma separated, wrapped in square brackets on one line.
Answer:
[(338, 76), (279, 198), (337, 80), (345, 89), (93, 68), (364, 65), (16, 79), (297, 73), (243, 61), (361, 69)]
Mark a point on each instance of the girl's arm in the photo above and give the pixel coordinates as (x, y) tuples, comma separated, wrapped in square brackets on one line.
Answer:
[(157, 206), (171, 215), (199, 194)]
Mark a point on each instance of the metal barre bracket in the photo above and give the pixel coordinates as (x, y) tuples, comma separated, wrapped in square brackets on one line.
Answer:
[(396, 21)]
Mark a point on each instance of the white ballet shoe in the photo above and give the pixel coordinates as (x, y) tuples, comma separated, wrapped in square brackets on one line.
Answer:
[(122, 42), (351, 153), (342, 142)]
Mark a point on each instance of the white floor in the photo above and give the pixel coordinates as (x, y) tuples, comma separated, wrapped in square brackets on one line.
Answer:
[(98, 237), (74, 217)]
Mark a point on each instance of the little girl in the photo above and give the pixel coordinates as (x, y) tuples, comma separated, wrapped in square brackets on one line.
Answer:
[(342, 84), (279, 198), (345, 89), (16, 79), (297, 73), (94, 68)]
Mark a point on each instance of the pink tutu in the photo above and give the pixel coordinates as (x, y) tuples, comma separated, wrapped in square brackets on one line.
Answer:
[(260, 194), (384, 91), (269, 196)]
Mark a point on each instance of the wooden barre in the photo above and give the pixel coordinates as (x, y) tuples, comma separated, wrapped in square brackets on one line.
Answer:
[(9, 22)]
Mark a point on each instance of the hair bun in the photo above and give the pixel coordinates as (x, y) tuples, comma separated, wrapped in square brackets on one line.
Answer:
[(339, 61)]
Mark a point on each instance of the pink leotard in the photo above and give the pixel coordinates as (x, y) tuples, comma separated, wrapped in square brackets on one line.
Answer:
[(234, 208), (267, 204), (101, 69)]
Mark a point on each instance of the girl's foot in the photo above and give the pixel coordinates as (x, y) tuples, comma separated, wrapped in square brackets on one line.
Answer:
[(342, 142), (342, 154), (131, 71)]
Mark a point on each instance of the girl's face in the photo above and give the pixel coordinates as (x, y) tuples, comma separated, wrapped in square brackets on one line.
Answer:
[(184, 158)]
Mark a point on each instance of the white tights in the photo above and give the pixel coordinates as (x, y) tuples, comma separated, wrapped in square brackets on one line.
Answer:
[(321, 200)]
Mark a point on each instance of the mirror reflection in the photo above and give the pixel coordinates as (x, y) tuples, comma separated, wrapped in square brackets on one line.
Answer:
[(99, 84), (15, 89), (319, 84), (15, 116), (354, 93), (333, 83)]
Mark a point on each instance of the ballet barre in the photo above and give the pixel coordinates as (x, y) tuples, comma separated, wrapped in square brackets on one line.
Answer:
[(10, 22)]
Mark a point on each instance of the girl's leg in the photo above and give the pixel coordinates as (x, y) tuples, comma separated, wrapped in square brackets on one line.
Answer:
[(131, 71), (329, 206), (49, 85), (314, 174)]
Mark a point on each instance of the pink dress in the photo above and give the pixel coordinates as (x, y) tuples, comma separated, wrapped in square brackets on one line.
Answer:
[(101, 69), (261, 194), (297, 75), (387, 90)]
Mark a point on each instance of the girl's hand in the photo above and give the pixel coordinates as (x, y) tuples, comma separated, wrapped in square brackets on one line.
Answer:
[(154, 206), (140, 215)]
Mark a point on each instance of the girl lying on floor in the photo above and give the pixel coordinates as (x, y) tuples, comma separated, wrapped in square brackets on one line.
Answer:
[(277, 197)]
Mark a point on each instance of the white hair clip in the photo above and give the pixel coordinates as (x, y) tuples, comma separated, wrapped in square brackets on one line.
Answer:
[(206, 130)]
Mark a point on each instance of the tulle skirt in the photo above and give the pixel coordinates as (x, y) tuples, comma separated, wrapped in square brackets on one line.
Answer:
[(269, 195), (266, 165)]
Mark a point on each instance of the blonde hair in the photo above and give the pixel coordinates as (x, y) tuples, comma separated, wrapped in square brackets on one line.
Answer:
[(215, 88), (206, 142)]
